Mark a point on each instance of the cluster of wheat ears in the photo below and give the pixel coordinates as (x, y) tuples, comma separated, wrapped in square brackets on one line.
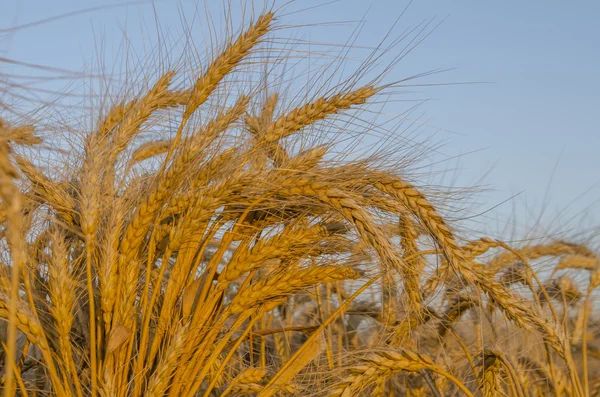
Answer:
[(225, 261)]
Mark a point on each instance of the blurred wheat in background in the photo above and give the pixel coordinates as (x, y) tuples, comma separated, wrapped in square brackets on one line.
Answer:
[(207, 237)]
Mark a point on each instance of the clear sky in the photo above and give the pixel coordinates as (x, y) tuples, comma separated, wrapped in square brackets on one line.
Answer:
[(530, 128)]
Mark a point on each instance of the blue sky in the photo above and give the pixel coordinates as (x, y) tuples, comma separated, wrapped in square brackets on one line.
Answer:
[(530, 127)]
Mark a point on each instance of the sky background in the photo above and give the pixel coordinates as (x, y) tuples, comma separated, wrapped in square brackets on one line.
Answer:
[(528, 124)]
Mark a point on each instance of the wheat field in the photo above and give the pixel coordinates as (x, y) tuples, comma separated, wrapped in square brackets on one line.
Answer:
[(201, 240)]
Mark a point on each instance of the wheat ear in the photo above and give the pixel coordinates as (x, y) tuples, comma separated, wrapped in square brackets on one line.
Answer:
[(490, 375), (62, 293), (226, 61), (150, 149), (412, 270), (249, 377), (288, 283), (11, 200), (556, 248), (159, 381), (315, 111), (382, 364), (47, 191)]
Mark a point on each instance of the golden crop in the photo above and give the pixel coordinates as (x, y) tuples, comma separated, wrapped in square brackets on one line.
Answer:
[(237, 255)]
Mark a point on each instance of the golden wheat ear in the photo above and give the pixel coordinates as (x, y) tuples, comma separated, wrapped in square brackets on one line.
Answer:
[(48, 192), (309, 114), (150, 149), (490, 375), (381, 364), (227, 61)]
